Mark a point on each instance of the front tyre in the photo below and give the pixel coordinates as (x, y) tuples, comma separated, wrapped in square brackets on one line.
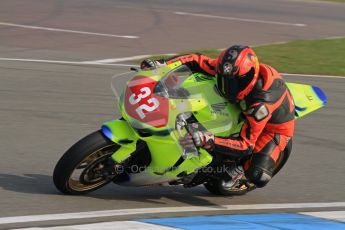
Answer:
[(79, 170)]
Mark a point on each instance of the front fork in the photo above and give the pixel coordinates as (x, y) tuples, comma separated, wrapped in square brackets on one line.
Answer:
[(121, 133)]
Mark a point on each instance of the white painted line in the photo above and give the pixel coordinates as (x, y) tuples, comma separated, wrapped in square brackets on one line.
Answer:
[(241, 19), (124, 212), (311, 75), (333, 215), (319, 2), (115, 60), (64, 62), (128, 225), (67, 31), (112, 62)]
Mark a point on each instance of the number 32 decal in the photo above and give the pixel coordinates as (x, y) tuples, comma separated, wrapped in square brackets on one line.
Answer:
[(145, 92)]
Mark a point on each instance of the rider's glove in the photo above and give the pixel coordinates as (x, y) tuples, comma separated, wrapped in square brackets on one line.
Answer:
[(199, 139), (148, 64)]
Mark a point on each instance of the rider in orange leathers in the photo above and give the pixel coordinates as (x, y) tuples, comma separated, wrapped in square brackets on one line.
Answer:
[(266, 104)]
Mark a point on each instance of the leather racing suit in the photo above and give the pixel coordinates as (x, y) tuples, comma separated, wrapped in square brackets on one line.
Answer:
[(269, 121)]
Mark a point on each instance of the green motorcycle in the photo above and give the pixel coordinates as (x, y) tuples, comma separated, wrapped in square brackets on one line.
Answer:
[(141, 148)]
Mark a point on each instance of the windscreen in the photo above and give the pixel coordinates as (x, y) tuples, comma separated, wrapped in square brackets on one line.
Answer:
[(170, 85)]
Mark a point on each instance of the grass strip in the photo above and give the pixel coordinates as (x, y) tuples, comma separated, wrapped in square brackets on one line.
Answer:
[(325, 56)]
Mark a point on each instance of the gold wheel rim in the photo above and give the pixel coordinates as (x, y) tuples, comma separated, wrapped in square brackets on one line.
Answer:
[(74, 179)]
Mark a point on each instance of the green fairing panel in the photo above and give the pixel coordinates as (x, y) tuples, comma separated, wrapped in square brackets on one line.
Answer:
[(218, 116), (306, 98), (120, 132), (165, 152)]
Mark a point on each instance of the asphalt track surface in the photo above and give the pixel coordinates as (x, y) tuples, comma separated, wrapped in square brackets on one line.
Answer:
[(45, 108)]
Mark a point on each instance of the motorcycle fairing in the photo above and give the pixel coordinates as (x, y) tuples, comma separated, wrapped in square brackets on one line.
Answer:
[(163, 166), (139, 91), (120, 132), (307, 98), (181, 90)]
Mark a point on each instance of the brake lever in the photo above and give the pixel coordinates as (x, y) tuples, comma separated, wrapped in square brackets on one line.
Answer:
[(181, 123), (134, 69)]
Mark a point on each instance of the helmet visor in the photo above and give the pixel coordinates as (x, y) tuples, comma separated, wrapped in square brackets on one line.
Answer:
[(228, 87), (232, 89), (231, 85)]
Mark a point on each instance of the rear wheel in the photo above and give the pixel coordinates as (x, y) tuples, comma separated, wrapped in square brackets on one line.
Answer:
[(80, 170), (218, 187)]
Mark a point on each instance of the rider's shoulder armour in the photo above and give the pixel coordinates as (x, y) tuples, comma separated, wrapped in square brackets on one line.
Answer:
[(268, 89)]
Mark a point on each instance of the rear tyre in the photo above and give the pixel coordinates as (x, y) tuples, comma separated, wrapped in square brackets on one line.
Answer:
[(217, 187), (79, 170)]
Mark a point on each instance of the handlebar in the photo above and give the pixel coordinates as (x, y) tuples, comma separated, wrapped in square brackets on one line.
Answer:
[(181, 123)]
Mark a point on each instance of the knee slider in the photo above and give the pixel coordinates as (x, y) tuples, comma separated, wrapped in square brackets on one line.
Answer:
[(259, 177), (261, 170)]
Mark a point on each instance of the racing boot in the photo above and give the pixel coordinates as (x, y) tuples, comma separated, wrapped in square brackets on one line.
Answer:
[(236, 173)]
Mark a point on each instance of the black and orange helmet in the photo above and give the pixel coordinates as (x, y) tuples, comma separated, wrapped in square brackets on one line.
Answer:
[(237, 72)]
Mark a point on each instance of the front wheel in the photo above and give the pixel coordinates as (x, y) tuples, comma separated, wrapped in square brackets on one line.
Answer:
[(79, 170)]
